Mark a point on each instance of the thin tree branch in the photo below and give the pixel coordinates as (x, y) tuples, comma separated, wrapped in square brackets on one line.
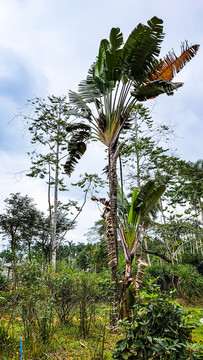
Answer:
[(162, 256)]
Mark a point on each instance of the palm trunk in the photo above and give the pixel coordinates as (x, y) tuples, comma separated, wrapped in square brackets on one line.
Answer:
[(113, 237), (111, 227)]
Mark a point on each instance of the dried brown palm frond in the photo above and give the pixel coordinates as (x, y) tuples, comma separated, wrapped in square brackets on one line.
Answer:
[(172, 64)]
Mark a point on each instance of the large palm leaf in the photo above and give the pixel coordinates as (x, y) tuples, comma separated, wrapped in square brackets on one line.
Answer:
[(77, 144), (172, 64), (144, 201), (132, 216), (141, 50)]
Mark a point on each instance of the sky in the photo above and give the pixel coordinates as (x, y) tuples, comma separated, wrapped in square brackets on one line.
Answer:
[(47, 47)]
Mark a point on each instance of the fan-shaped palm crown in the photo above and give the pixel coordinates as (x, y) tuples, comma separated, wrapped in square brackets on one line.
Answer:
[(123, 74)]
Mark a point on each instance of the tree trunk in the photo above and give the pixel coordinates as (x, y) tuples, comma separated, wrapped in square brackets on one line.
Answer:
[(14, 261), (113, 240), (55, 215), (124, 302)]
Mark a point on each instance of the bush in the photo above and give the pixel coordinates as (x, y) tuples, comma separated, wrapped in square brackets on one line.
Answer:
[(4, 282), (185, 279), (65, 296), (157, 330), (195, 259), (28, 273)]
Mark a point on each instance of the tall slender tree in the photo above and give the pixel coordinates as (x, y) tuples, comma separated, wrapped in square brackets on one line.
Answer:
[(47, 125), (123, 74)]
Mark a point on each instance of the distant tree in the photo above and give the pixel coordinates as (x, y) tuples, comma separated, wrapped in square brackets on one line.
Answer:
[(43, 240), (187, 187), (68, 252), (100, 256), (96, 235), (84, 258), (6, 255), (19, 222), (182, 227)]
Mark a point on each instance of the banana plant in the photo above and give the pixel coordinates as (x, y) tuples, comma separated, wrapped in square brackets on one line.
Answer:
[(131, 220)]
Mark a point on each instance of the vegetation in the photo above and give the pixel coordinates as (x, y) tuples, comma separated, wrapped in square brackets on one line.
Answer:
[(57, 313), (58, 297), (158, 330), (122, 75)]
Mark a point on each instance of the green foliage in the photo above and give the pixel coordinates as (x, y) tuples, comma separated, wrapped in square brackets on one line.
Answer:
[(185, 279), (4, 282), (76, 145), (195, 259), (84, 258), (100, 257), (87, 293), (158, 330), (19, 222), (35, 302), (144, 201), (6, 256), (64, 289), (28, 274)]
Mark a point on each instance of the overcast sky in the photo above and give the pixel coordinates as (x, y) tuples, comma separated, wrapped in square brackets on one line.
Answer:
[(47, 47)]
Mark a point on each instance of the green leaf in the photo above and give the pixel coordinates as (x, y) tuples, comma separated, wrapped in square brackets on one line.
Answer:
[(125, 355), (121, 345), (141, 49), (155, 88), (133, 216), (149, 338), (100, 64), (151, 200), (116, 40), (108, 67)]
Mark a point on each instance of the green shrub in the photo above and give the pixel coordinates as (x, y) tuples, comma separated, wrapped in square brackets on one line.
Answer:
[(28, 273), (185, 279), (35, 302), (195, 259), (88, 296), (157, 330), (4, 282), (65, 296)]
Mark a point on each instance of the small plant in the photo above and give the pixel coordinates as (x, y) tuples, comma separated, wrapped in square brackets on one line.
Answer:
[(158, 330)]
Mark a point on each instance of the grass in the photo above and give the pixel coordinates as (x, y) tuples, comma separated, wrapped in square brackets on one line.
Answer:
[(71, 346), (66, 342)]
